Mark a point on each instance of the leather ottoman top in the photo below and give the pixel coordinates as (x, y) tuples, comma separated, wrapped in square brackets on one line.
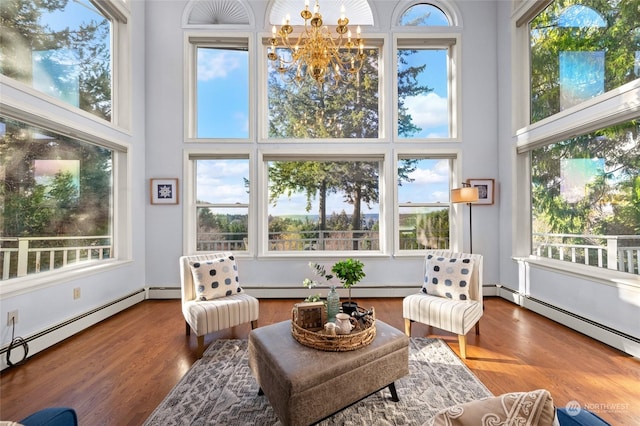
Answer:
[(303, 367)]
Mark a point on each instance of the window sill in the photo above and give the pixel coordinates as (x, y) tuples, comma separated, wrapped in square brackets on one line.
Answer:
[(601, 275), (22, 285)]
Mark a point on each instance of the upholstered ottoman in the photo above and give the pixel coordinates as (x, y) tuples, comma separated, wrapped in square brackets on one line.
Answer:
[(305, 385)]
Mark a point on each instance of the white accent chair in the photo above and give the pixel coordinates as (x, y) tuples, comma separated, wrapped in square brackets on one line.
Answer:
[(208, 316), (455, 316)]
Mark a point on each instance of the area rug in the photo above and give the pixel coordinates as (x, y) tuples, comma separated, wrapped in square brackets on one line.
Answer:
[(220, 390)]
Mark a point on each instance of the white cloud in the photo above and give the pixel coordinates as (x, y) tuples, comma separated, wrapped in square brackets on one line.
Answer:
[(438, 174), (216, 64), (429, 110)]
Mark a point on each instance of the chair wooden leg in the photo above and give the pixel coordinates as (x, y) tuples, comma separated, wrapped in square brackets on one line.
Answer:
[(407, 327), (254, 324), (462, 340), (478, 328), (200, 349), (188, 328)]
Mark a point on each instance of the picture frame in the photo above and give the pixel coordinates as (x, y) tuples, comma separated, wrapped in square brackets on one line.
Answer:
[(310, 315), (164, 191), (486, 190)]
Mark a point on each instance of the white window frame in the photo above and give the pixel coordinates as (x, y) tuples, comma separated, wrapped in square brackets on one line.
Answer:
[(379, 41), (121, 220), (442, 40), (194, 40), (189, 208), (118, 13), (25, 104), (315, 154), (616, 106), (455, 212)]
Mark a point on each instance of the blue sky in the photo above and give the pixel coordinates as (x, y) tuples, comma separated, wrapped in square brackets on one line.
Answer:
[(223, 98)]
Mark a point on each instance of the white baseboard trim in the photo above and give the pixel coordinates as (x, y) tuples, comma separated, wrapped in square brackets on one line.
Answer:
[(57, 333), (607, 335)]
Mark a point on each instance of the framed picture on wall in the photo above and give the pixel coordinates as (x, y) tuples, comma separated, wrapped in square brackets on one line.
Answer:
[(486, 190), (164, 191)]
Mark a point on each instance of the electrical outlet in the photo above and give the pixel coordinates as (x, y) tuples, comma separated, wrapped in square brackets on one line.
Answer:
[(12, 318), (76, 293)]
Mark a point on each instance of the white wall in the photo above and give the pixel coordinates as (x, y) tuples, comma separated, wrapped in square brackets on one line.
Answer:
[(165, 83), (53, 304)]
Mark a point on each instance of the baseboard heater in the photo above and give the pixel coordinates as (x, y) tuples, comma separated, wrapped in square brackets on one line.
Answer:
[(610, 336), (57, 333)]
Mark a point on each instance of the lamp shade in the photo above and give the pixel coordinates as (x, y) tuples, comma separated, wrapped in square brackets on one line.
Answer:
[(464, 195)]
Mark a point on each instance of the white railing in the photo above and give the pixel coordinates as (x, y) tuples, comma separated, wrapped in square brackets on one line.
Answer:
[(20, 256), (619, 252)]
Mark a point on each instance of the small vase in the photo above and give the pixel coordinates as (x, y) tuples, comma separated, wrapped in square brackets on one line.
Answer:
[(333, 304)]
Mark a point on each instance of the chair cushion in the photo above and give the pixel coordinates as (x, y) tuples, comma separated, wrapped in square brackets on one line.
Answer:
[(533, 408), (447, 277), (215, 278)]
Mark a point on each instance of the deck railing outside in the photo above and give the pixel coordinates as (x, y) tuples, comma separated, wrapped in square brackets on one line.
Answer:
[(23, 256), (29, 255), (619, 252)]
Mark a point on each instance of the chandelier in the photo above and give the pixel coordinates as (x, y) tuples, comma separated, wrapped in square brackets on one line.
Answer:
[(316, 52)]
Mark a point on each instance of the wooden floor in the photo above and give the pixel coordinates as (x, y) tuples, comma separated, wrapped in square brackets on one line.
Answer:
[(118, 371)]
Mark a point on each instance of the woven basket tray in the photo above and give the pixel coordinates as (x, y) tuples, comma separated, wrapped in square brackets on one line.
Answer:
[(360, 336)]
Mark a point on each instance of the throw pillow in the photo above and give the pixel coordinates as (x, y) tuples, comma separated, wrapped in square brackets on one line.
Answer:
[(533, 408), (215, 278), (448, 277)]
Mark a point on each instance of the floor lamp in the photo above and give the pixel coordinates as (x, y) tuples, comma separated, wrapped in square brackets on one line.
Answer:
[(469, 195)]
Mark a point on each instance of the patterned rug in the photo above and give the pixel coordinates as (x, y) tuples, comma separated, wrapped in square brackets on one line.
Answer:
[(220, 390)]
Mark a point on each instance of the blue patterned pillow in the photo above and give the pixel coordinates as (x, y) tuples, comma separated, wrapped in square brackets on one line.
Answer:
[(447, 277), (215, 278)]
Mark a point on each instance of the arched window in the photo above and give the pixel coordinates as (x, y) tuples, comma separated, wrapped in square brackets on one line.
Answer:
[(424, 14)]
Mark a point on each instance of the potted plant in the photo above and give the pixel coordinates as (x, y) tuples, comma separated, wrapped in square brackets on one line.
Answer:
[(349, 272)]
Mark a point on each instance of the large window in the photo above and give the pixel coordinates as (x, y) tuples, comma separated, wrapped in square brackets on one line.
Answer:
[(62, 49), (56, 198), (423, 202), (427, 84), (582, 147), (222, 204), (349, 110), (327, 205), (586, 198), (222, 89), (424, 101), (580, 50)]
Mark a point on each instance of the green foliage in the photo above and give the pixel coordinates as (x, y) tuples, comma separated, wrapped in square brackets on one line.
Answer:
[(407, 87), (60, 208), (348, 271), (610, 205), (22, 33), (618, 40)]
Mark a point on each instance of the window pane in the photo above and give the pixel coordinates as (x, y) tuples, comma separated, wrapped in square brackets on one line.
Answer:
[(222, 194), (222, 181), (423, 97), (581, 51), (585, 198), (423, 184), (312, 111), (56, 200), (324, 205), (223, 92), (62, 49), (424, 15), (222, 229), (424, 228)]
